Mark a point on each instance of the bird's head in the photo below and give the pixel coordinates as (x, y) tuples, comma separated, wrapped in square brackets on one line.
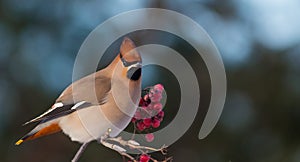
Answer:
[(131, 59)]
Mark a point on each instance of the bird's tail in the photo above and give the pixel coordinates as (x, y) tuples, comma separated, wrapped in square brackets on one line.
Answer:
[(39, 131)]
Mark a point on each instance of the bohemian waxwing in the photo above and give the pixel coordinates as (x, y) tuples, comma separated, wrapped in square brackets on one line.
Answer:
[(105, 100)]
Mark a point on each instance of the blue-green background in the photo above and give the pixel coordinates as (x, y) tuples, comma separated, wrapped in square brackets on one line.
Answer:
[(258, 41)]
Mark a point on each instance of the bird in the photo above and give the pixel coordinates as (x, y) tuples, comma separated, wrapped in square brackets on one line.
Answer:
[(102, 101)]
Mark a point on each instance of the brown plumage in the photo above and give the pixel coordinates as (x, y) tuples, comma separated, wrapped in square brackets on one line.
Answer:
[(100, 101)]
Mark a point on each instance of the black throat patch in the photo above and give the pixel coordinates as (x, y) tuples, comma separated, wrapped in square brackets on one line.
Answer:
[(134, 73)]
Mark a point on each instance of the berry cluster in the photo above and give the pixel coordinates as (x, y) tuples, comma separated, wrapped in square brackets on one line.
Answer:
[(148, 116), (149, 113)]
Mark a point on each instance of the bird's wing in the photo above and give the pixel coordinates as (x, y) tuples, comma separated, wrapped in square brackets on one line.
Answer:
[(92, 88), (88, 91), (59, 110)]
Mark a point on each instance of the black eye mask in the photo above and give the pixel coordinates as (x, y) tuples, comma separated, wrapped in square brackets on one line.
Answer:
[(126, 63)]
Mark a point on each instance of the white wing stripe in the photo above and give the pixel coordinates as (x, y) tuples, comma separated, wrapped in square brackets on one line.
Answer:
[(77, 105), (56, 105)]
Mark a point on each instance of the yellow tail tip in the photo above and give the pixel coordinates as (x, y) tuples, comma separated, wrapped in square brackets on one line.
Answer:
[(19, 142)]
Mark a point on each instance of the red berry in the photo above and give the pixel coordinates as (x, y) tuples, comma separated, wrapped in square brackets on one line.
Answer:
[(141, 102), (137, 114), (159, 87), (146, 97), (150, 106), (156, 97), (157, 107), (144, 158), (133, 120), (149, 137), (155, 123), (140, 126), (161, 114), (147, 122)]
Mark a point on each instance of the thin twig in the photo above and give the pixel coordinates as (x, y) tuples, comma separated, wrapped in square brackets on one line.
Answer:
[(127, 155), (134, 131), (138, 147), (131, 144)]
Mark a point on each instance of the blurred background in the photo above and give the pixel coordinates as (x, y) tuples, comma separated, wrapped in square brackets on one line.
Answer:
[(258, 41)]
